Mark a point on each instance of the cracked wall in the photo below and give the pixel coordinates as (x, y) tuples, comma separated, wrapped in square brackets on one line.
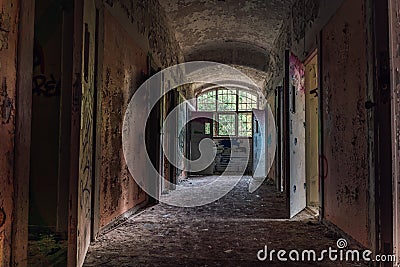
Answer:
[(146, 20), (122, 74), (344, 61), (299, 33), (133, 31), (345, 130)]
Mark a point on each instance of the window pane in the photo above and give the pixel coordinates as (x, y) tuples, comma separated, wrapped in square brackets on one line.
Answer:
[(206, 101), (207, 128), (245, 124), (226, 124), (226, 100), (247, 101)]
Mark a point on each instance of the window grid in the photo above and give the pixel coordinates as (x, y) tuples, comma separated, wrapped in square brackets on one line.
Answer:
[(232, 107), (206, 101), (245, 120), (247, 101), (226, 100), (226, 124)]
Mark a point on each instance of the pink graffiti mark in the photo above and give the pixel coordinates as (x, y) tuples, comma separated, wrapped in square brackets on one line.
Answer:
[(296, 73)]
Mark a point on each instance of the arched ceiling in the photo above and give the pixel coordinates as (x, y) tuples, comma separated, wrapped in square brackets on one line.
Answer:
[(234, 32)]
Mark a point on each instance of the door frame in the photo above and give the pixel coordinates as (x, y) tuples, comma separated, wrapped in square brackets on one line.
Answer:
[(393, 7), (286, 131), (97, 119), (294, 113), (257, 125), (22, 137), (156, 117), (279, 121), (321, 153), (314, 54), (379, 108), (211, 135)]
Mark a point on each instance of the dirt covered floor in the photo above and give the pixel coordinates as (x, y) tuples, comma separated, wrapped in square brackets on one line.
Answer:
[(46, 249), (227, 232)]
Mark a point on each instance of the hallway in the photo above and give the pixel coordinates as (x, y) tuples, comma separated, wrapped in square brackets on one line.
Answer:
[(227, 232), (199, 132)]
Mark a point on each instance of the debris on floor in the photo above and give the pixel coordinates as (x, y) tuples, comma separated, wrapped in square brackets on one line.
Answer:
[(227, 232), (46, 250)]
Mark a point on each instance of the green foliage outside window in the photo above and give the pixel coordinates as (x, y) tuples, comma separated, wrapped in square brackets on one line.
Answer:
[(233, 109)]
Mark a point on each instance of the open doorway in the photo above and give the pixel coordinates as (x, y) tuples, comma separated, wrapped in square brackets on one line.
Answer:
[(231, 128), (49, 180), (153, 131), (299, 126), (295, 134), (311, 104)]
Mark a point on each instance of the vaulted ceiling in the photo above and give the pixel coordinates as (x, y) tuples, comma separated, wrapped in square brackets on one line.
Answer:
[(235, 32)]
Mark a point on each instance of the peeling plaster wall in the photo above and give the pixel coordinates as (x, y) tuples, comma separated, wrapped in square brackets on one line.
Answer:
[(146, 21), (344, 64), (131, 31), (237, 32), (258, 77), (124, 69), (8, 73), (299, 33), (204, 24), (345, 145)]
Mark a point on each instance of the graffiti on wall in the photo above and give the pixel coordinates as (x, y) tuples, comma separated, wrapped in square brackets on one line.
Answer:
[(86, 159), (83, 97), (42, 84), (296, 72), (46, 86)]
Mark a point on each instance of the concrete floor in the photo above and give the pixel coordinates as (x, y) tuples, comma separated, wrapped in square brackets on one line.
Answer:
[(227, 232)]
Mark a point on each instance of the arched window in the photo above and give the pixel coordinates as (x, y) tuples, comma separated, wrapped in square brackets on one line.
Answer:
[(232, 108)]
